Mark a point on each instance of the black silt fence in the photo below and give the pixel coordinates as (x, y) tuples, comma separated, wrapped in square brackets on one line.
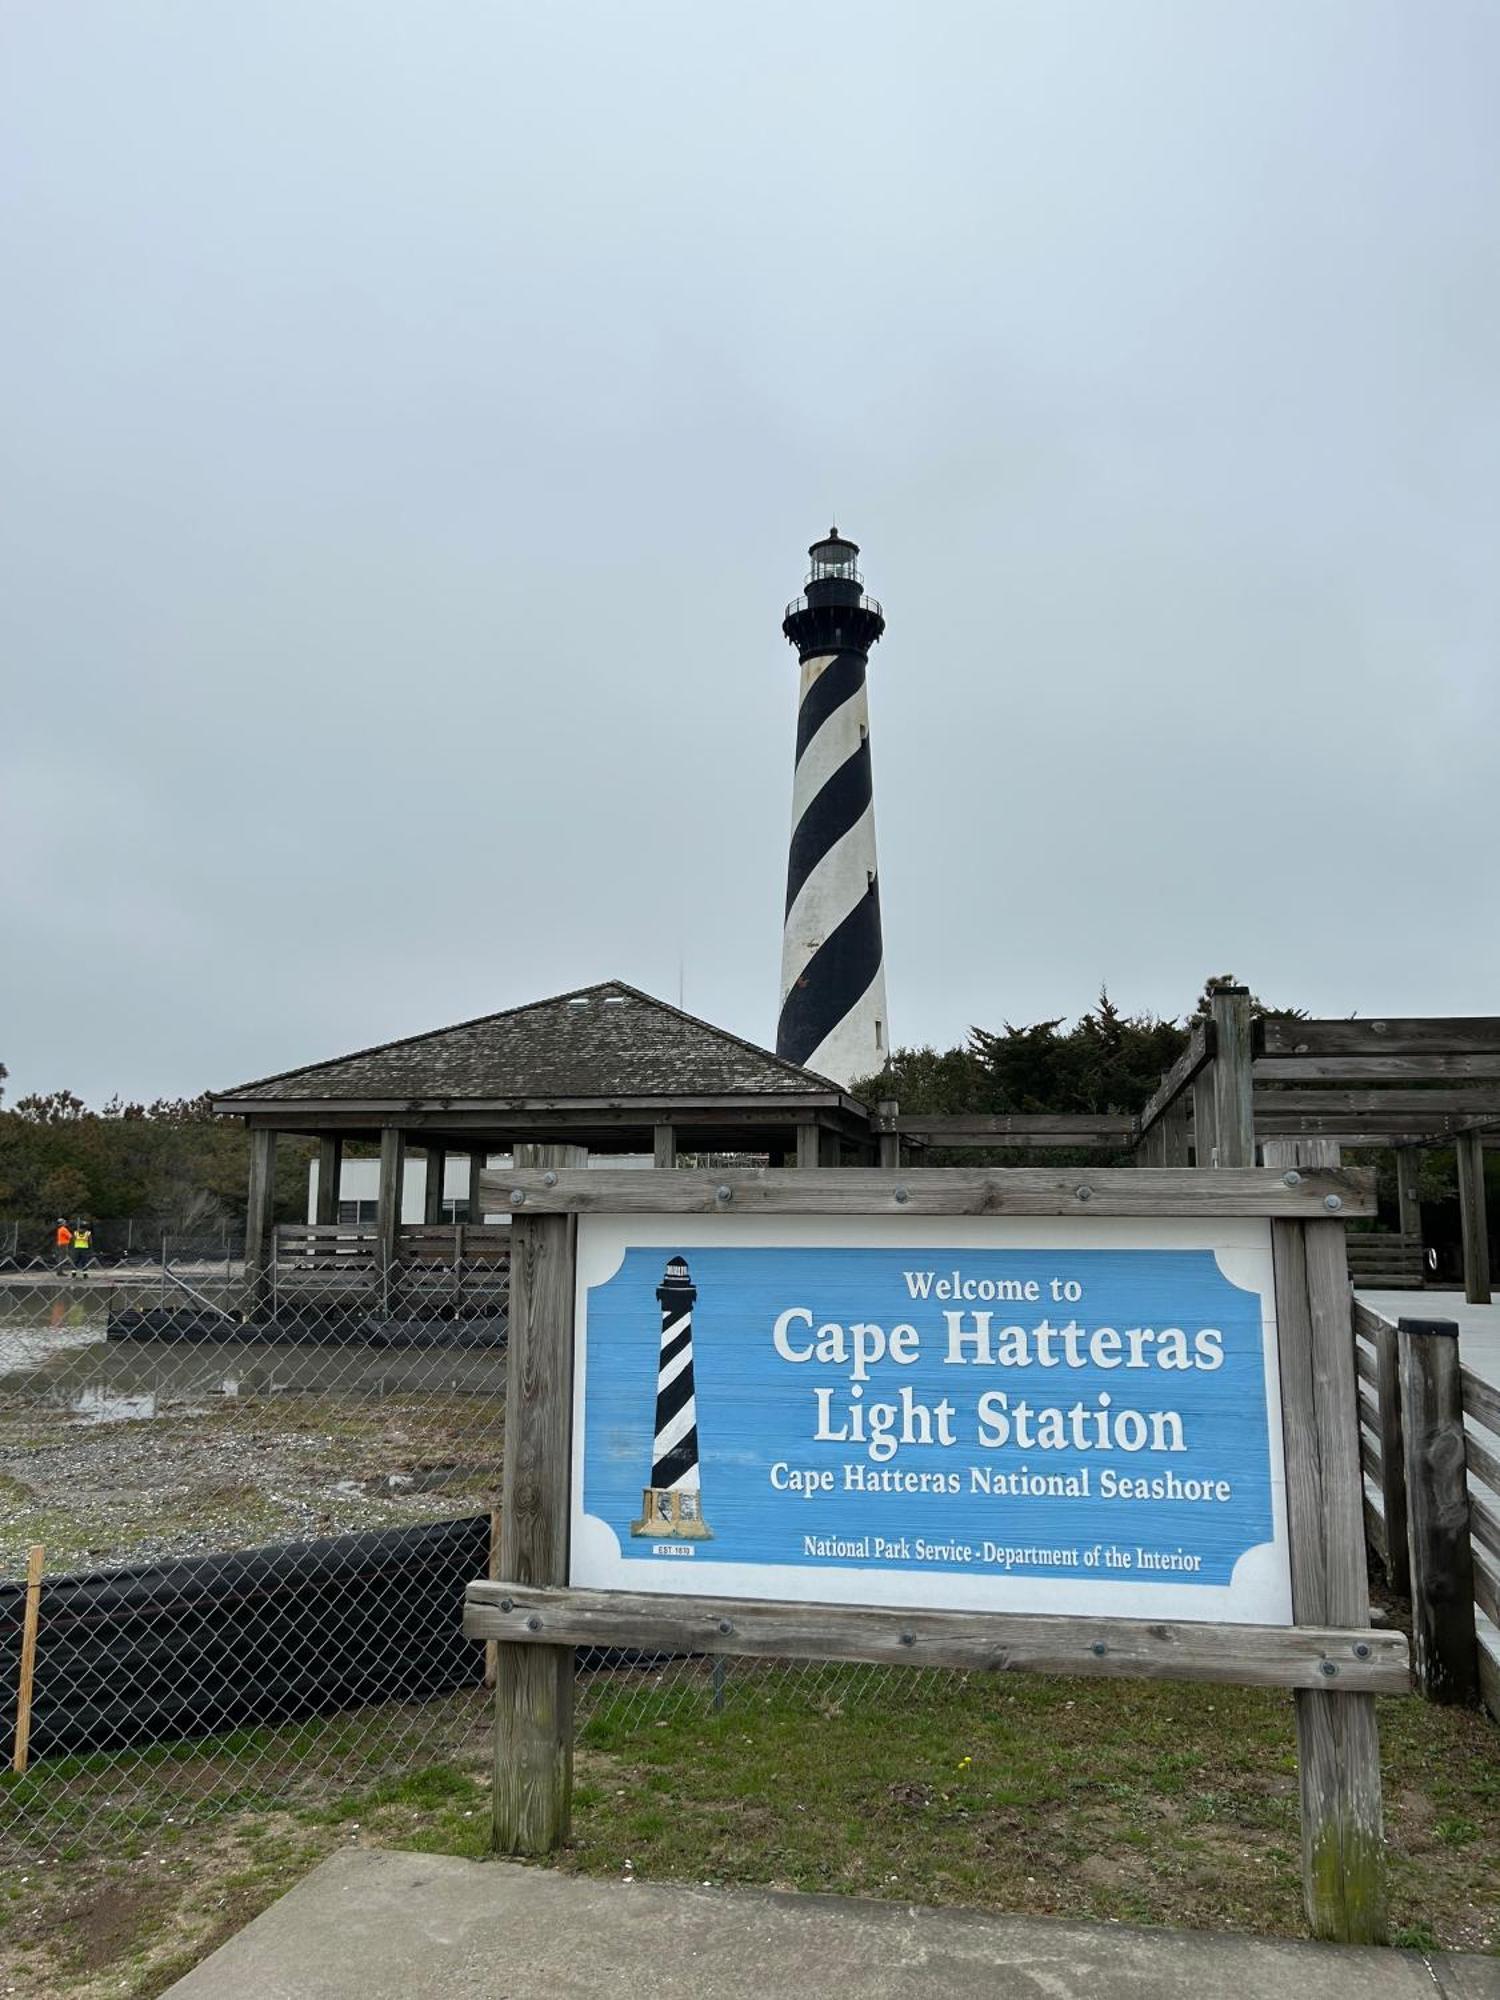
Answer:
[(137, 1656), (309, 1326)]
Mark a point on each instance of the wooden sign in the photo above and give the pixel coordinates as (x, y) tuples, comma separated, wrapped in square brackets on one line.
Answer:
[(812, 1415)]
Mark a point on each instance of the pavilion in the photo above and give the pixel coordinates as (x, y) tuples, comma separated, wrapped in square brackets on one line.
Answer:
[(606, 1068)]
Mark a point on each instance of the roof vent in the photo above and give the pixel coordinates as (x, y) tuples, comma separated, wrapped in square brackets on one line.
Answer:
[(614, 999), (579, 1000)]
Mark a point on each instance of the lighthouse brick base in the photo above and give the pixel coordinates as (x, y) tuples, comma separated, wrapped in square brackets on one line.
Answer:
[(665, 1513), (672, 1505)]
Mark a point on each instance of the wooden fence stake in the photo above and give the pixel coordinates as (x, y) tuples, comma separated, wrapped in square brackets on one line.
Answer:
[(1444, 1644), (30, 1621)]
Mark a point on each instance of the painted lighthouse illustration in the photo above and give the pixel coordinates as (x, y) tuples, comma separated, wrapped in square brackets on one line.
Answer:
[(833, 1015), (672, 1505)]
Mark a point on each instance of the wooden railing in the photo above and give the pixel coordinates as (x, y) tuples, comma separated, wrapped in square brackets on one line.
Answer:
[(1430, 1450), (1385, 1260), (1481, 1405), (462, 1266)]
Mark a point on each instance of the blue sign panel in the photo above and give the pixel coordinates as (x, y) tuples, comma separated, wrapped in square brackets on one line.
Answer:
[(936, 1424)]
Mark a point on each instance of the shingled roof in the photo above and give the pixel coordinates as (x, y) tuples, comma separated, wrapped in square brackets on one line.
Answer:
[(609, 1041)]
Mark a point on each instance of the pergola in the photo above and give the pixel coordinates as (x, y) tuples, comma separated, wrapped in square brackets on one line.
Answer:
[(1302, 1087)]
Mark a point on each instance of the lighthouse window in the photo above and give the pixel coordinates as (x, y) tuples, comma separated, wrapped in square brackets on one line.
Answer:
[(877, 1035), (835, 559)]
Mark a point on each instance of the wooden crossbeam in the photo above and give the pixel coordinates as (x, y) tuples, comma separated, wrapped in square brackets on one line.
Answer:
[(1458, 1034), (1434, 1068), (1357, 1660), (1020, 1128), (1477, 1101), (1168, 1191), (1352, 1130)]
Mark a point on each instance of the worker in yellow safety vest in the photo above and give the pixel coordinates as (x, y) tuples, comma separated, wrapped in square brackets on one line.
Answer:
[(83, 1246)]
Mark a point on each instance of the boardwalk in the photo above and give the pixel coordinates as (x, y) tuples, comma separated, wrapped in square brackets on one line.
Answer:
[(1478, 1326)]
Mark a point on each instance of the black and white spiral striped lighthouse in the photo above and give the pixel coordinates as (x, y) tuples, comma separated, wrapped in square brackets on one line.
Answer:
[(833, 1016), (673, 1503)]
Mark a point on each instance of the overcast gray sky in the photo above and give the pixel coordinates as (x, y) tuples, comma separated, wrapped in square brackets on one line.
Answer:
[(416, 418)]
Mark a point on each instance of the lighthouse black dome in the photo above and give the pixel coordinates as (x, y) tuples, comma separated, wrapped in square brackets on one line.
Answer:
[(833, 614)]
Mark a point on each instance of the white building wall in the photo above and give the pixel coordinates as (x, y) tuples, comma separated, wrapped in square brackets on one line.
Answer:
[(359, 1180)]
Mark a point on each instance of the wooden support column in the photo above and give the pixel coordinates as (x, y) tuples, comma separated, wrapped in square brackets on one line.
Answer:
[(1174, 1132), (664, 1146), (432, 1186), (1408, 1204), (1234, 1121), (476, 1199), (1152, 1149), (330, 1165), (260, 1210), (388, 1210), (534, 1684), (808, 1149), (1205, 1145), (1444, 1647), (1338, 1741), (1469, 1153), (887, 1111)]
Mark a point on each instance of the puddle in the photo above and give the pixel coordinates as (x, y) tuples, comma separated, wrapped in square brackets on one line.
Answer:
[(60, 1360), (101, 1403), (24, 1349)]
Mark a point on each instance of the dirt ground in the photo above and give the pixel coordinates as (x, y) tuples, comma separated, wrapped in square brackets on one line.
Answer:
[(121, 1452)]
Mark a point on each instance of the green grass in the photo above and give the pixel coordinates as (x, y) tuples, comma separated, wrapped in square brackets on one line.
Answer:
[(1147, 1802)]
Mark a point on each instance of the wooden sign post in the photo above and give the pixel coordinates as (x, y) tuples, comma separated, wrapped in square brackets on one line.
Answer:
[(884, 1476)]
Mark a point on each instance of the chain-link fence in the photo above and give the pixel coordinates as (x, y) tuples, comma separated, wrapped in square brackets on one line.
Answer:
[(30, 1244), (258, 1501)]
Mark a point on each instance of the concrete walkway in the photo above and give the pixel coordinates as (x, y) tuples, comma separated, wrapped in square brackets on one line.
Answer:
[(1478, 1326), (373, 1926)]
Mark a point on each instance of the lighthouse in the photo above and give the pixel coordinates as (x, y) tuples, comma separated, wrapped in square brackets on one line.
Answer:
[(833, 1015), (672, 1505)]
